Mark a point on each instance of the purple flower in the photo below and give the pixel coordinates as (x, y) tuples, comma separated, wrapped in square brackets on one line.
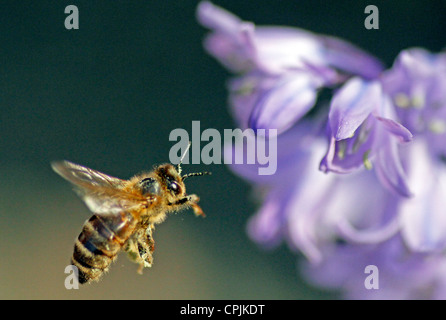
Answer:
[(291, 187), (363, 133), (242, 47), (281, 68), (416, 83), (386, 131), (308, 219), (343, 223), (402, 274), (273, 102)]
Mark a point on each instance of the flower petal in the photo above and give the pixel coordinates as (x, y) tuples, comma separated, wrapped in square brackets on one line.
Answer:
[(347, 57), (351, 105), (398, 130), (280, 49), (285, 103), (423, 217), (265, 227), (232, 42), (347, 155), (217, 18), (376, 235), (389, 169)]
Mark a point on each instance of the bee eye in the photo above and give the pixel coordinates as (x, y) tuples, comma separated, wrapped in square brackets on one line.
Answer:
[(149, 186), (173, 186)]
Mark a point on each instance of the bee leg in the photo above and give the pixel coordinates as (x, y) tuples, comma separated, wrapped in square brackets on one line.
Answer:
[(139, 251), (149, 237), (146, 246), (131, 248), (193, 201)]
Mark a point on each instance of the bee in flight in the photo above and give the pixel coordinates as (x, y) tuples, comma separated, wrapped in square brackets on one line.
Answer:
[(125, 213)]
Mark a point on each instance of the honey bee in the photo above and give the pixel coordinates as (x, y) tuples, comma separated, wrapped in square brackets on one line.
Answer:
[(125, 213)]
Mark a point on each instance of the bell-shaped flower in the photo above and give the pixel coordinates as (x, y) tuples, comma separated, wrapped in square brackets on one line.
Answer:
[(416, 85), (273, 102), (282, 68), (342, 223), (363, 134), (241, 46)]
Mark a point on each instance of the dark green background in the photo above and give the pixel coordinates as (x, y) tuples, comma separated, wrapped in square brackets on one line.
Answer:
[(107, 96)]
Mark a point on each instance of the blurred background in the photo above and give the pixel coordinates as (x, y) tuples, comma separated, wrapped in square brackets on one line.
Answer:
[(107, 96)]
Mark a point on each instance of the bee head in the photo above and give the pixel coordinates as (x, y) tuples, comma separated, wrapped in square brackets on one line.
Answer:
[(172, 186), (170, 177)]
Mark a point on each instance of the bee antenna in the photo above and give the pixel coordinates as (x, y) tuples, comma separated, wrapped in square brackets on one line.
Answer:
[(195, 174), (182, 158)]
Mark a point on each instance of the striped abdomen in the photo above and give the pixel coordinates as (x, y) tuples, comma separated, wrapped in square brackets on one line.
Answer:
[(99, 242)]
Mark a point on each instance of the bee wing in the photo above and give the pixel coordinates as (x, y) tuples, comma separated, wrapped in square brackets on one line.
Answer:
[(85, 177), (101, 193)]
